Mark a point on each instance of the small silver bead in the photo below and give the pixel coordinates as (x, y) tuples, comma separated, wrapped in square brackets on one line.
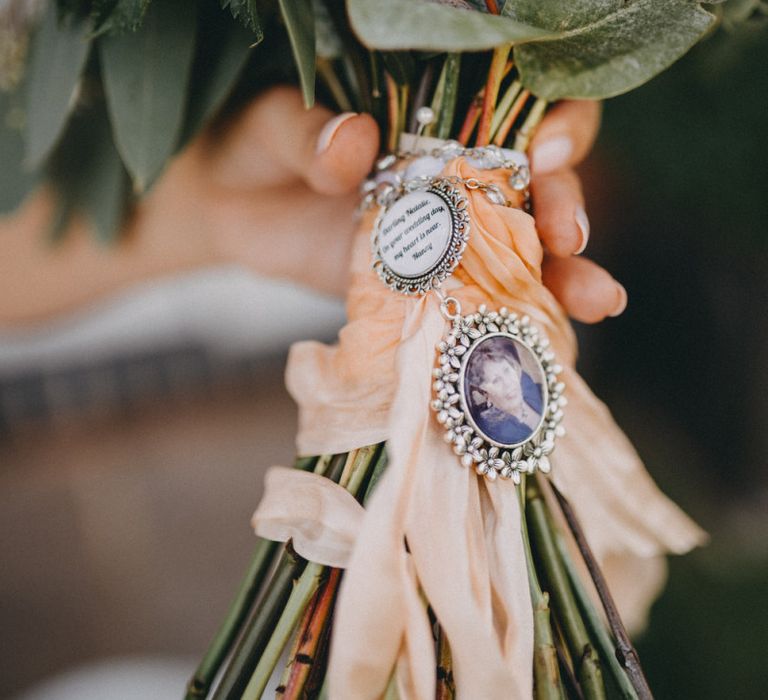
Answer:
[(495, 195), (386, 162)]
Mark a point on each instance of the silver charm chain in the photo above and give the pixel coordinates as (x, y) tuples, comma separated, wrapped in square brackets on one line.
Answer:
[(384, 193)]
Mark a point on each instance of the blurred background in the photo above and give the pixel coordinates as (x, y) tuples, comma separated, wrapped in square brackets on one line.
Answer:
[(134, 434)]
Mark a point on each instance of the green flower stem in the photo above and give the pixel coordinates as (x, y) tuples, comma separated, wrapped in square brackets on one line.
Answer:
[(495, 76), (357, 466), (361, 468), (349, 465), (624, 652), (446, 688), (328, 75), (276, 592), (200, 683), (446, 94), (391, 693), (309, 655), (505, 104), (336, 466), (571, 688), (584, 656), (299, 598), (323, 694), (594, 622), (321, 465), (592, 619), (514, 112), (259, 628), (288, 670), (525, 133), (378, 470), (546, 674)]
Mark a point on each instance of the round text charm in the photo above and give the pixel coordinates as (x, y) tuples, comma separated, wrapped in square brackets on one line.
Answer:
[(418, 239)]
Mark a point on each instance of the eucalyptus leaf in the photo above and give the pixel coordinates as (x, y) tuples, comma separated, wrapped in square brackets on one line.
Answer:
[(562, 15), (299, 20), (122, 16), (446, 94), (738, 11), (400, 65), (73, 9), (613, 52), (88, 175), (222, 52), (145, 76), (327, 39), (247, 12), (59, 52), (417, 24), (15, 180), (100, 12)]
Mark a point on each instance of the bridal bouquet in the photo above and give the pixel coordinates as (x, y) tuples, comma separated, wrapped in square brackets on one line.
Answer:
[(463, 505)]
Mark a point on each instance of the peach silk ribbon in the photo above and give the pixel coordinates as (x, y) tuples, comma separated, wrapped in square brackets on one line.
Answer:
[(465, 549)]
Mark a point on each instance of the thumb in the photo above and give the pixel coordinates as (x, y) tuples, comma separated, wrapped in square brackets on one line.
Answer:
[(276, 139)]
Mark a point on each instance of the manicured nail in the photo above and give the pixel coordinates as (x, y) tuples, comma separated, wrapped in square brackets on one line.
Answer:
[(552, 155), (327, 133), (583, 223), (622, 303)]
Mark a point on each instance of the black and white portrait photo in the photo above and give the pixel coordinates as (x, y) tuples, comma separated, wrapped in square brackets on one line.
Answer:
[(504, 390)]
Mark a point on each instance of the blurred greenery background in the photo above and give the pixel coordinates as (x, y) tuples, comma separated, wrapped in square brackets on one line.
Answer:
[(678, 191)]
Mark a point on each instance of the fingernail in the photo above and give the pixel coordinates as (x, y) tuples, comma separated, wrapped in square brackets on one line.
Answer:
[(552, 155), (327, 133), (583, 223), (622, 303)]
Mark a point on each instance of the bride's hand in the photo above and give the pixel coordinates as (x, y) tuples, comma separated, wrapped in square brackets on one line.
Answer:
[(275, 190), (283, 161)]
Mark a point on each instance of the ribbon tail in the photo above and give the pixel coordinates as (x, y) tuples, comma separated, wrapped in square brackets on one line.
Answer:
[(469, 556), (377, 619), (319, 516)]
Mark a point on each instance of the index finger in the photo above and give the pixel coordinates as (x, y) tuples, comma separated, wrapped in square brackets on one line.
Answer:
[(565, 136)]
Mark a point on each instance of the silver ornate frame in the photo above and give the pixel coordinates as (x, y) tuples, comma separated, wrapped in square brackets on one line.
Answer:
[(449, 260), (492, 459)]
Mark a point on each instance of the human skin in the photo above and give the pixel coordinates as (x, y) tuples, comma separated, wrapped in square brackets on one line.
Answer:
[(275, 191), (501, 384)]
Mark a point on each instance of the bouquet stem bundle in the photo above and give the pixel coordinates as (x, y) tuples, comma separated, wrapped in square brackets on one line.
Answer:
[(286, 603)]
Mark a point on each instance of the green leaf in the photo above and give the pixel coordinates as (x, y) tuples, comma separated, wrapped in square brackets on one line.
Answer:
[(222, 52), (73, 9), (400, 65), (327, 39), (416, 24), (247, 13), (59, 52), (146, 75), (446, 93), (15, 180), (299, 20), (120, 15), (737, 11), (607, 48), (561, 15), (89, 176)]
